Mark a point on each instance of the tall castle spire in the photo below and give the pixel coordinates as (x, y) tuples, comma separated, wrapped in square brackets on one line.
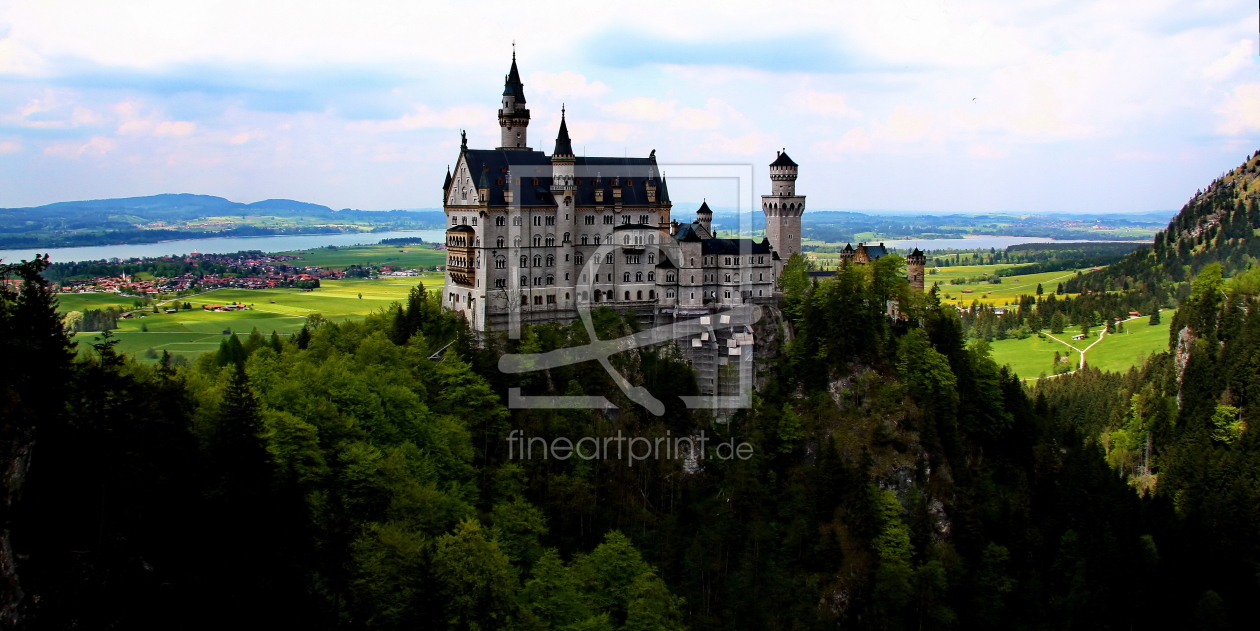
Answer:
[(564, 147), (514, 117)]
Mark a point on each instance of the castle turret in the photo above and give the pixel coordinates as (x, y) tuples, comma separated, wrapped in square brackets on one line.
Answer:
[(562, 160), (783, 209), (914, 269), (514, 117), (705, 217)]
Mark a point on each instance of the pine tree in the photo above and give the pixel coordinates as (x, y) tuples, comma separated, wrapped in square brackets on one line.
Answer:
[(1039, 290), (1057, 322), (1155, 317)]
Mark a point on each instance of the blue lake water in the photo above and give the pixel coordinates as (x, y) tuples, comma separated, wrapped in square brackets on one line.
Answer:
[(971, 243), (225, 245), (301, 242)]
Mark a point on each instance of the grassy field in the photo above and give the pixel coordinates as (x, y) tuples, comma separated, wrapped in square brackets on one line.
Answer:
[(191, 332), (1032, 356), (404, 256), (83, 302), (1117, 352), (1005, 293)]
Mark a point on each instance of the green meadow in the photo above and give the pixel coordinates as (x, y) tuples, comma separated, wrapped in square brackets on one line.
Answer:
[(1005, 293), (1117, 352), (84, 302), (194, 331)]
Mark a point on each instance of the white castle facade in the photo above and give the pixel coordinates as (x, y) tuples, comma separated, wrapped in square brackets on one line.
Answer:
[(532, 237)]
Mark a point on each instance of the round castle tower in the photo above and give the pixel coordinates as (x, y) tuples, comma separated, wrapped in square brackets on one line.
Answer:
[(783, 209), (914, 269)]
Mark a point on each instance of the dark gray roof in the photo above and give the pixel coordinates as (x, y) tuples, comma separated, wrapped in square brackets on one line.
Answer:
[(528, 165), (446, 186), (461, 228), (876, 251), (704, 208), (662, 192), (564, 147), (734, 246), (687, 232), (513, 85), (782, 161), (665, 263)]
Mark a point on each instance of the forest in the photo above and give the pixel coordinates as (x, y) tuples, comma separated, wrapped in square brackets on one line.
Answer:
[(356, 475)]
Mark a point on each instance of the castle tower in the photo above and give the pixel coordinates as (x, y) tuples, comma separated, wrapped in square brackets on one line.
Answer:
[(914, 269), (705, 216), (514, 117), (783, 209)]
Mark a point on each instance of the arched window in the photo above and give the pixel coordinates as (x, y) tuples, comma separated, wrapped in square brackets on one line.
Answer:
[(626, 240), (651, 294), (474, 221), (597, 239), (693, 262), (651, 258), (478, 242), (537, 261), (537, 220), (551, 240), (516, 221), (608, 260), (608, 237), (524, 261), (627, 295), (551, 260), (516, 241), (626, 277), (499, 221), (651, 239), (498, 243), (577, 258), (669, 278), (524, 281), (566, 238), (638, 295), (500, 263), (651, 276), (638, 277), (583, 239), (537, 240)]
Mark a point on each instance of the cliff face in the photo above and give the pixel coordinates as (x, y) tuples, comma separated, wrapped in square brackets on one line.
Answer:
[(16, 443)]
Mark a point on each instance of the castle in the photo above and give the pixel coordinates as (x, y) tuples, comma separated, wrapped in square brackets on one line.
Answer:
[(533, 236)]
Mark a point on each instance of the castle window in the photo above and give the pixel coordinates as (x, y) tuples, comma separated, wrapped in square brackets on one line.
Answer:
[(500, 263), (626, 277), (524, 261), (551, 220), (669, 294), (551, 299), (516, 241), (643, 218), (551, 260), (583, 239), (566, 238), (651, 258), (454, 220), (669, 278), (577, 258), (608, 260), (537, 300), (524, 281), (551, 241), (761, 276), (638, 277), (474, 221), (537, 240), (535, 181), (478, 241), (693, 281), (551, 280), (597, 239), (627, 295), (498, 242), (537, 220), (463, 193), (516, 221), (499, 221), (651, 294), (625, 220), (693, 295), (651, 239), (626, 240), (589, 220), (638, 295), (608, 219), (728, 278), (651, 276), (537, 261), (500, 283)]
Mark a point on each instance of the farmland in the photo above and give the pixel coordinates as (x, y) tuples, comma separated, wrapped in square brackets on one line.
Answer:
[(191, 332), (1117, 352)]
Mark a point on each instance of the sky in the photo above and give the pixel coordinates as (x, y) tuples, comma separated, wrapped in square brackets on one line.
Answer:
[(933, 106)]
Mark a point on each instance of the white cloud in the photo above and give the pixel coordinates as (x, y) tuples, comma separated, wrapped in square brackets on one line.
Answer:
[(240, 139), (1239, 57), (746, 145), (563, 84), (424, 117), (825, 103), (1241, 110), (9, 146), (97, 146), (174, 128), (644, 108)]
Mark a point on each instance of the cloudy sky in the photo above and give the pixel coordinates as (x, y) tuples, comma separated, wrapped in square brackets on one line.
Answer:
[(928, 105)]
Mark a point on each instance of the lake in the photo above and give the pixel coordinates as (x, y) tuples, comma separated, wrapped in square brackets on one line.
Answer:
[(224, 245), (228, 245), (978, 241)]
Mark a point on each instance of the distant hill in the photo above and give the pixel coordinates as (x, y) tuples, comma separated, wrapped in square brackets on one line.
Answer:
[(133, 219), (1217, 225)]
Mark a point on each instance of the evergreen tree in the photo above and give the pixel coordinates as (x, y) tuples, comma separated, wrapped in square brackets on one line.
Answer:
[(1057, 323), (1154, 321), (1039, 290)]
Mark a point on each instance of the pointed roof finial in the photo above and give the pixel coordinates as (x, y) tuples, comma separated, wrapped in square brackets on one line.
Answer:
[(564, 146)]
